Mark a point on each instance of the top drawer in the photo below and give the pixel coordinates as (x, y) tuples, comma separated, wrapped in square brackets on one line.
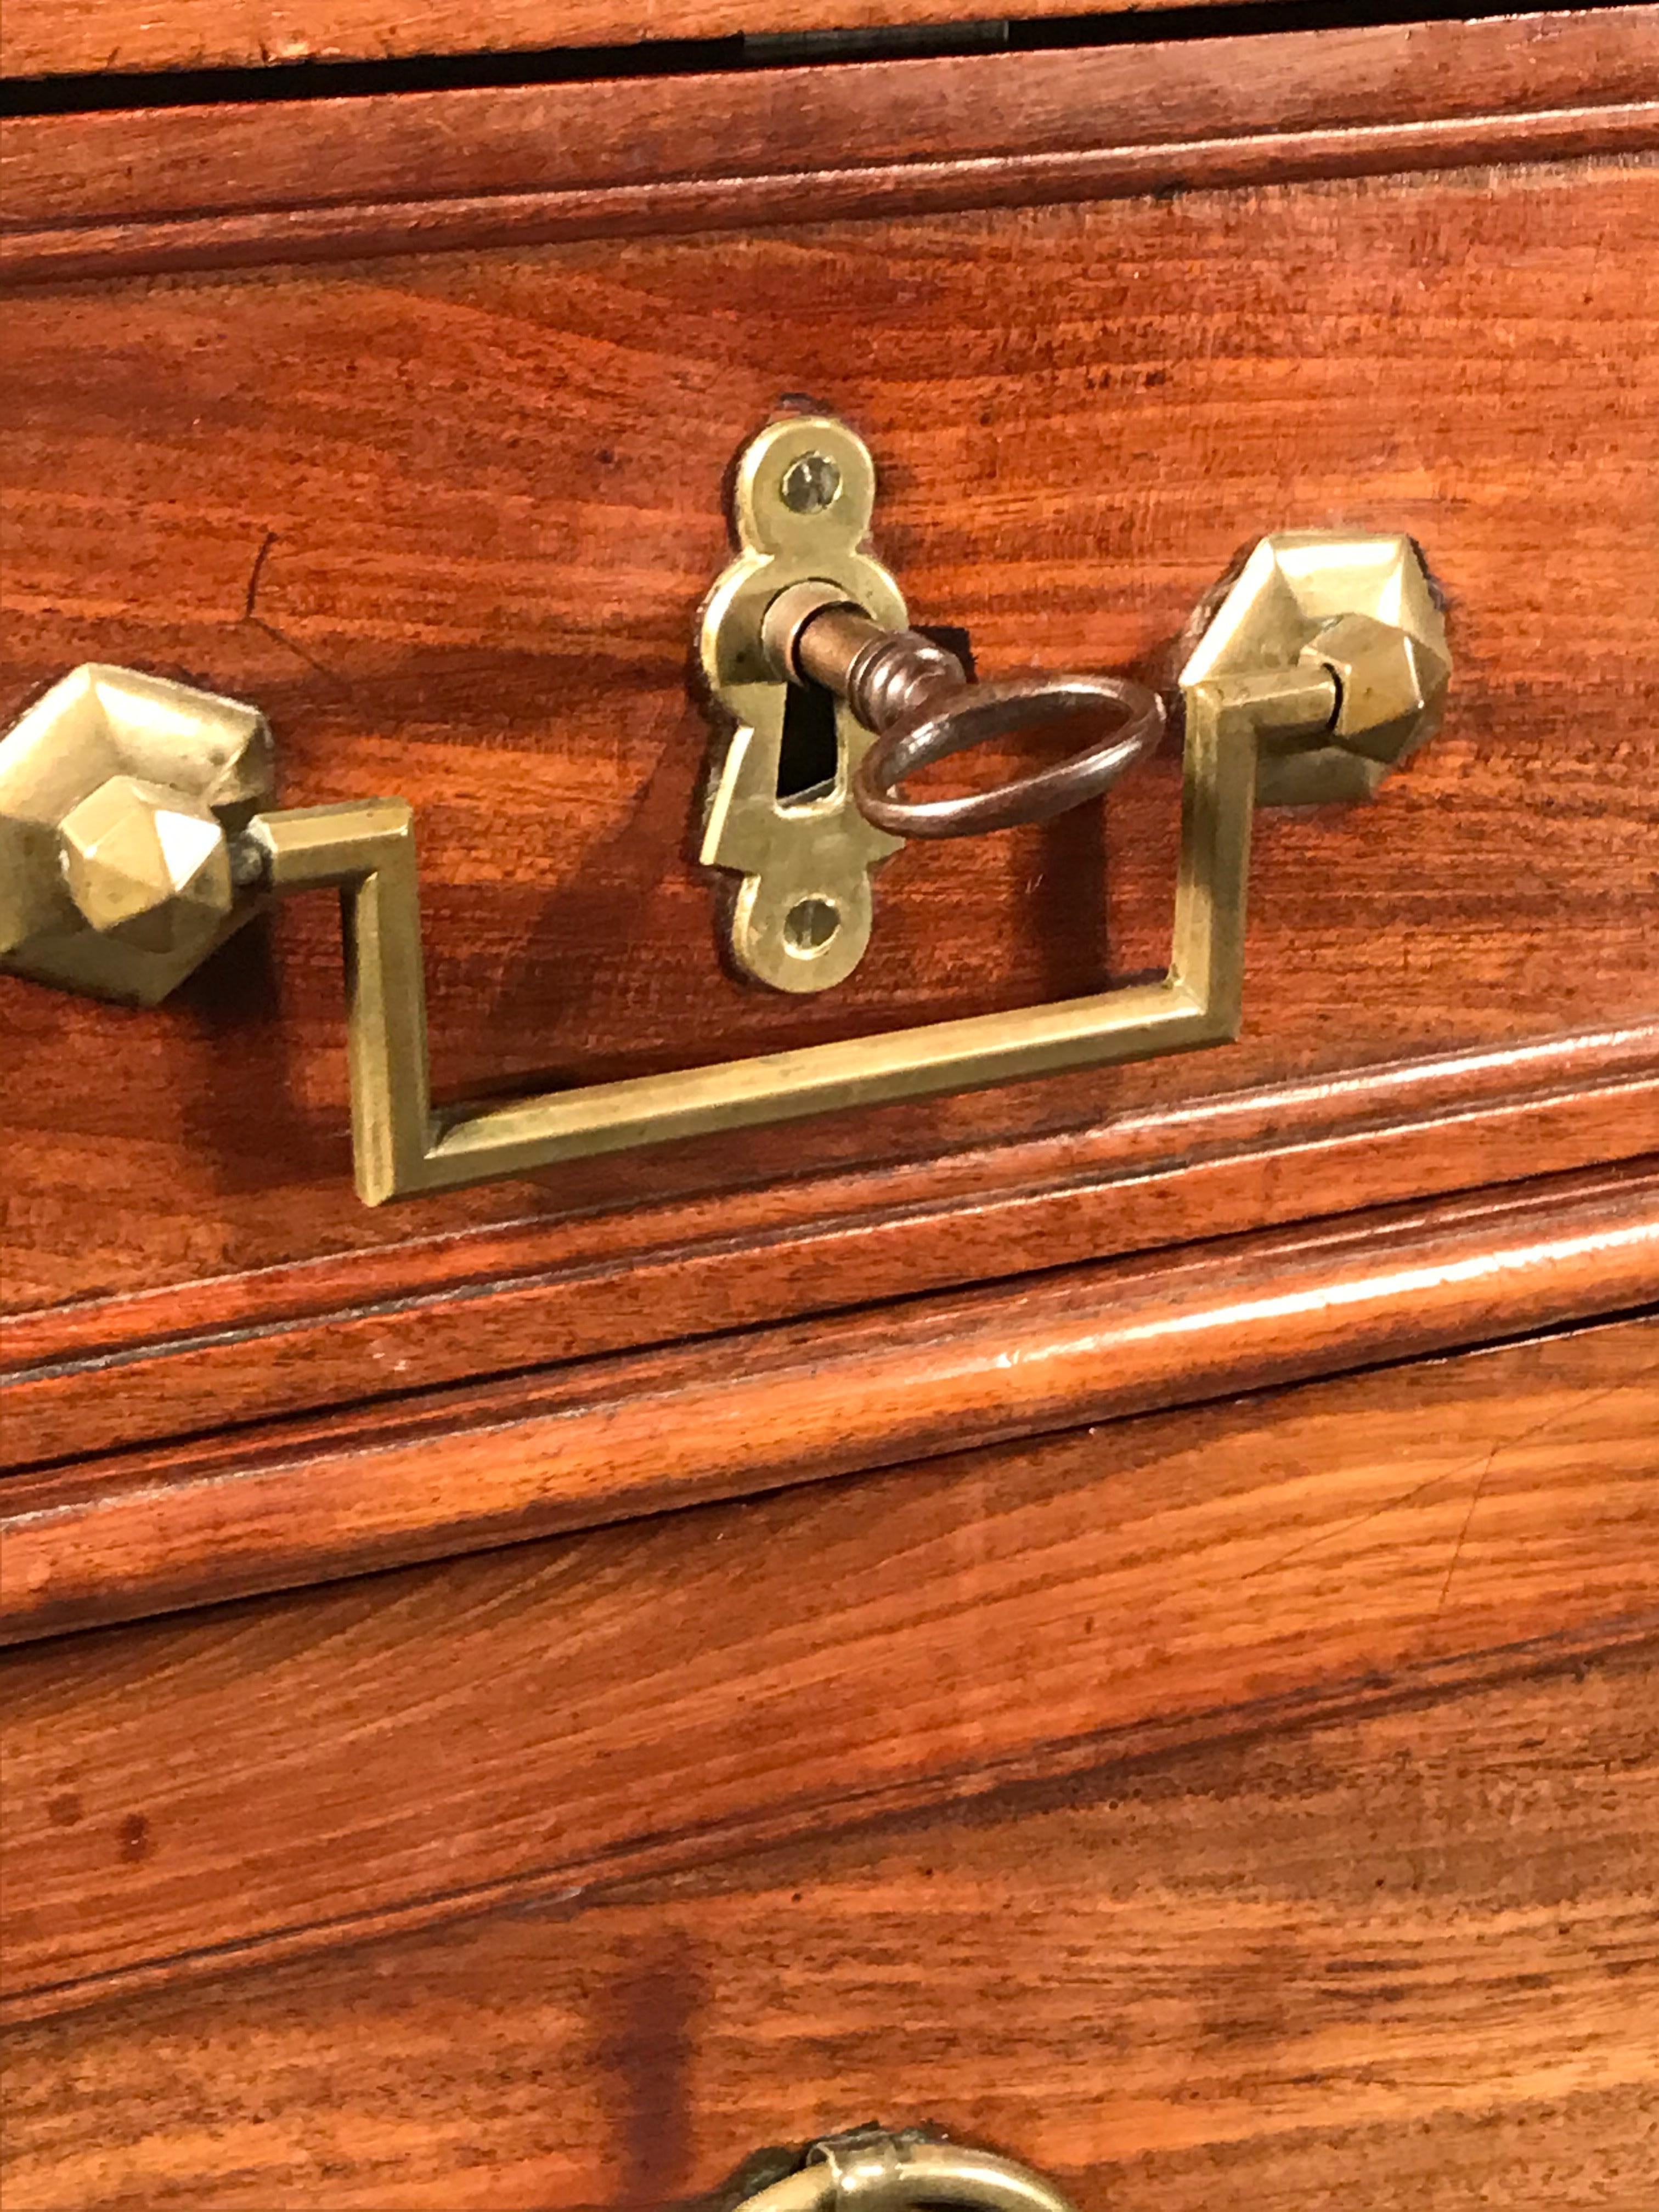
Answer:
[(448, 519)]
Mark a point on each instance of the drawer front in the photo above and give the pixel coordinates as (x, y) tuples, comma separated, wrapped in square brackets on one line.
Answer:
[(1208, 1803), (1405, 1959), (448, 519), (45, 37)]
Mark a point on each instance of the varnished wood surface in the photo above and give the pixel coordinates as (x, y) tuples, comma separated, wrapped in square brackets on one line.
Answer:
[(54, 37), (425, 1310), (1626, 133), (295, 1774), (1405, 1960), (455, 1470), (219, 182), (448, 519)]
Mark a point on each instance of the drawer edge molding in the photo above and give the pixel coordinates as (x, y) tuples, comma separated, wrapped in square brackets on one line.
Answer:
[(736, 1415), (300, 179), (44, 39), (551, 218), (141, 1367)]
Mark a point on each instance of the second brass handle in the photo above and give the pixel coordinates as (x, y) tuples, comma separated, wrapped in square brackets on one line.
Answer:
[(877, 2171)]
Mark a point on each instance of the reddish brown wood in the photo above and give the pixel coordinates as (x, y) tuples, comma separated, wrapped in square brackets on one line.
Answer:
[(243, 157), (463, 1468), (51, 37), (161, 163), (301, 1771), (213, 186), (648, 211), (459, 595), (429, 1311), (334, 1886), (1406, 1961)]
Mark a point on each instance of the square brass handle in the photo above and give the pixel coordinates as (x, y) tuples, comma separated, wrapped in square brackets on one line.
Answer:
[(135, 833)]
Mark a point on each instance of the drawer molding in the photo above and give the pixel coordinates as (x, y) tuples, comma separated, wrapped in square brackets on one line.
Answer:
[(48, 37), (218, 186), (473, 1469), (104, 1374)]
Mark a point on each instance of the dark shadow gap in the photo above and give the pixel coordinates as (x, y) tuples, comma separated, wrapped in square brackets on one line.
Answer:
[(104, 90)]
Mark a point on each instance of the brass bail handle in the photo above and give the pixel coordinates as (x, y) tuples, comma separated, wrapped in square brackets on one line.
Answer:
[(139, 829), (872, 2169), (920, 704)]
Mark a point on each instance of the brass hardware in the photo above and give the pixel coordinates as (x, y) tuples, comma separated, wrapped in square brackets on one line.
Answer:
[(131, 843), (805, 604), (878, 2171), (800, 918), (1361, 608), (118, 795)]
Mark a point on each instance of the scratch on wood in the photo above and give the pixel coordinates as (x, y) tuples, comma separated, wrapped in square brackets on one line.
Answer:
[(271, 629), (259, 560), (1457, 1548)]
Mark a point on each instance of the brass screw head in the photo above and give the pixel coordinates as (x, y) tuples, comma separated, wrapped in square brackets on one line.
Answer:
[(810, 485), (145, 866)]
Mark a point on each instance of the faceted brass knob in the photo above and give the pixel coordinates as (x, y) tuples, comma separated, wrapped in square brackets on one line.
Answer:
[(120, 793), (1363, 608), (1390, 683), (144, 864)]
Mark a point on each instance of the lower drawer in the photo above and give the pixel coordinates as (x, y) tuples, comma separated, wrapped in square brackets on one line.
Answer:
[(1407, 1960), (1255, 1800)]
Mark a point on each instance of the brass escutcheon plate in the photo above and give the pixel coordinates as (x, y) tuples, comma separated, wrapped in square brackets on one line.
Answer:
[(799, 917)]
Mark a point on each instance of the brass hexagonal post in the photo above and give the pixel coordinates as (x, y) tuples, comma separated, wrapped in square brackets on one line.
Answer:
[(118, 795), (1362, 607)]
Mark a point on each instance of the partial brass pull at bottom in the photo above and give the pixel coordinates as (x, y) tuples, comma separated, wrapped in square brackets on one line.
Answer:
[(920, 703), (875, 2171)]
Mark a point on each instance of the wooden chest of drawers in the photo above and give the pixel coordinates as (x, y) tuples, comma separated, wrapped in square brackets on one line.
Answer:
[(1112, 1612)]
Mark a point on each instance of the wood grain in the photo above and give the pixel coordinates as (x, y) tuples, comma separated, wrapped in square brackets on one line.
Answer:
[(218, 184), (1079, 412), (1407, 1959), (456, 1470), (324, 234), (295, 1772), (425, 1311), (46, 38)]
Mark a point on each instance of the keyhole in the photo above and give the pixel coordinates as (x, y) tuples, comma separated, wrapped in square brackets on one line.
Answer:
[(809, 756)]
